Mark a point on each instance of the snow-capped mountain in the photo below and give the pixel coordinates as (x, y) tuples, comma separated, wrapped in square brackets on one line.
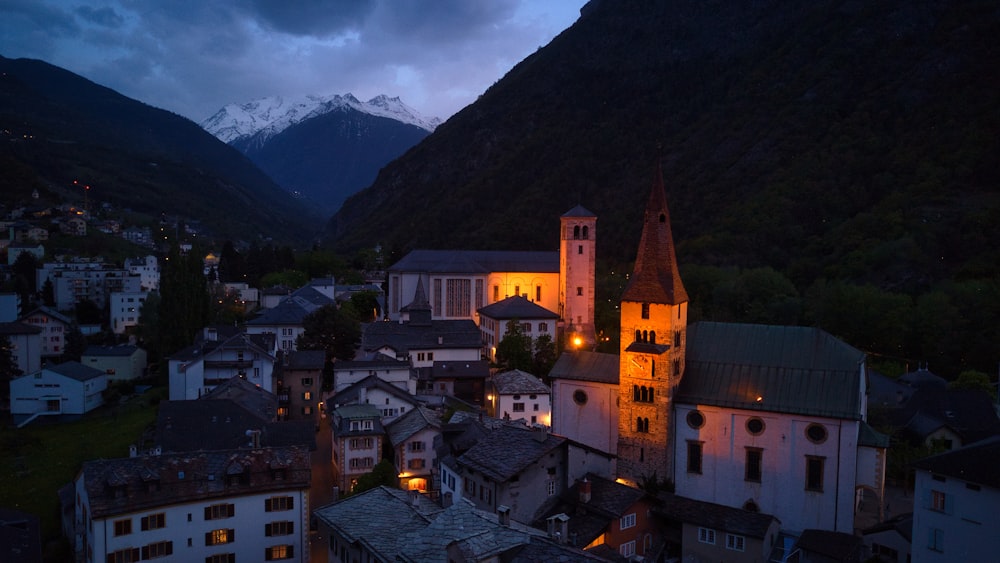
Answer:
[(274, 114), (323, 149)]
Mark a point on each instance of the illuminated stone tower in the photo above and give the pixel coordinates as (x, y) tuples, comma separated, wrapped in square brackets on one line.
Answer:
[(578, 234), (653, 325)]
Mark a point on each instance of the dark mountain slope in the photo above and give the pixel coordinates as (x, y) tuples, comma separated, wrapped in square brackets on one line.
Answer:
[(332, 156), (59, 127), (847, 140)]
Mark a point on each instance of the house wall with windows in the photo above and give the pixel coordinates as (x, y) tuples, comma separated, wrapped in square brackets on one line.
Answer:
[(119, 363), (25, 345), (54, 327), (67, 388), (801, 469), (124, 309), (706, 543), (415, 461), (357, 442), (956, 495), (184, 508)]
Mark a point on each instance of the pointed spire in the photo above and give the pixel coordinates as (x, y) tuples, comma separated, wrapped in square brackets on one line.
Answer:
[(656, 278), (420, 301)]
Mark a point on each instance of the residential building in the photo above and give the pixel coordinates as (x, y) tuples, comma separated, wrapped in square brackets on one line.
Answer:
[(15, 249), (600, 516), (197, 369), (585, 388), (518, 395), (124, 310), (123, 362), (956, 494), (73, 282), (890, 541), (534, 321), (357, 442), (463, 380), (390, 401), (285, 320), (229, 505), (300, 382), (73, 226), (54, 327), (422, 340), (386, 368), (384, 524), (25, 345), (825, 546), (69, 388), (412, 437), (148, 270), (714, 532)]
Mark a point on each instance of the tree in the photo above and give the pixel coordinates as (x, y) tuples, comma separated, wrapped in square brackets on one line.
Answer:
[(332, 330), (25, 270), (75, 345), (972, 379), (148, 328), (383, 474), (48, 293), (8, 368), (545, 356), (514, 351), (88, 313), (364, 306), (184, 308), (232, 265)]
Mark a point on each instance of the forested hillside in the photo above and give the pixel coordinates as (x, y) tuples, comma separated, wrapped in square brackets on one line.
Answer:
[(827, 163)]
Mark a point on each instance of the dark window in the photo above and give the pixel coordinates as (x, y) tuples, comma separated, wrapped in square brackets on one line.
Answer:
[(814, 473), (694, 457), (695, 419), (754, 462), (645, 310), (816, 433), (755, 426), (580, 397)]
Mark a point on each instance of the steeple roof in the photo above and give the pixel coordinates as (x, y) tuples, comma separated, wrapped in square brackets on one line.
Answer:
[(656, 278)]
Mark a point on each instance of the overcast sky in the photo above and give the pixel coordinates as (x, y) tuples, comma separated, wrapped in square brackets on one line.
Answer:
[(194, 56)]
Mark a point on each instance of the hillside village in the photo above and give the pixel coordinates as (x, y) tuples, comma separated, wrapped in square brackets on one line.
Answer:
[(694, 442)]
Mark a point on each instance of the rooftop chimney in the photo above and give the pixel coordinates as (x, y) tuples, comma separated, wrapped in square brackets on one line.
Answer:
[(558, 527), (503, 513), (584, 489)]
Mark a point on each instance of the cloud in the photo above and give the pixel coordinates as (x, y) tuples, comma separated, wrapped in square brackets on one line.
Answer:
[(192, 57)]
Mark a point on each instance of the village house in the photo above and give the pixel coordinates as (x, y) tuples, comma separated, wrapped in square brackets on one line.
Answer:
[(69, 388), (518, 395), (386, 368), (197, 369), (300, 380), (463, 380), (25, 345), (190, 506), (534, 321), (357, 437), (286, 319), (54, 327), (585, 388), (412, 437), (124, 362), (390, 401), (124, 310), (15, 249)]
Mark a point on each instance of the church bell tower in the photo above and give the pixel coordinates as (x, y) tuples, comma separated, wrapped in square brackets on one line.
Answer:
[(577, 255), (654, 310)]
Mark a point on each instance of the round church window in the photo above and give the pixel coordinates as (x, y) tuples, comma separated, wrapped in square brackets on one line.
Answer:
[(695, 419), (755, 426), (580, 397), (816, 433)]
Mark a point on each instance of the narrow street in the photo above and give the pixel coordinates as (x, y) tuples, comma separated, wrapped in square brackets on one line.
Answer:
[(321, 491)]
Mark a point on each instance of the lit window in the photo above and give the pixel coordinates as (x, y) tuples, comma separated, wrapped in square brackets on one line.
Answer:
[(221, 536), (279, 552), (937, 501)]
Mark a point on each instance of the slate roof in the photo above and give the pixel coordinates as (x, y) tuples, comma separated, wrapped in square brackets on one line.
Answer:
[(255, 399), (304, 359), (342, 417), (582, 365), (975, 463), (923, 378), (293, 309), (50, 313), (901, 524), (378, 518), (868, 436), (13, 328), (190, 477), (469, 369), (799, 370), (711, 515), (439, 334), (609, 501), (516, 382), (477, 261), (970, 413), (221, 424), (75, 370), (262, 343), (122, 350), (516, 307), (353, 391), (579, 211), (508, 450), (413, 421), (835, 546), (373, 361)]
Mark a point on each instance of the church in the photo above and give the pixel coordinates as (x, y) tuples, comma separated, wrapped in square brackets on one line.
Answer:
[(769, 419)]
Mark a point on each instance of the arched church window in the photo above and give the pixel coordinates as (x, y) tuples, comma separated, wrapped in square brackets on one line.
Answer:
[(643, 394), (663, 217), (645, 336), (576, 232), (751, 506), (638, 335), (638, 424), (586, 232), (635, 393), (652, 336), (677, 339)]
